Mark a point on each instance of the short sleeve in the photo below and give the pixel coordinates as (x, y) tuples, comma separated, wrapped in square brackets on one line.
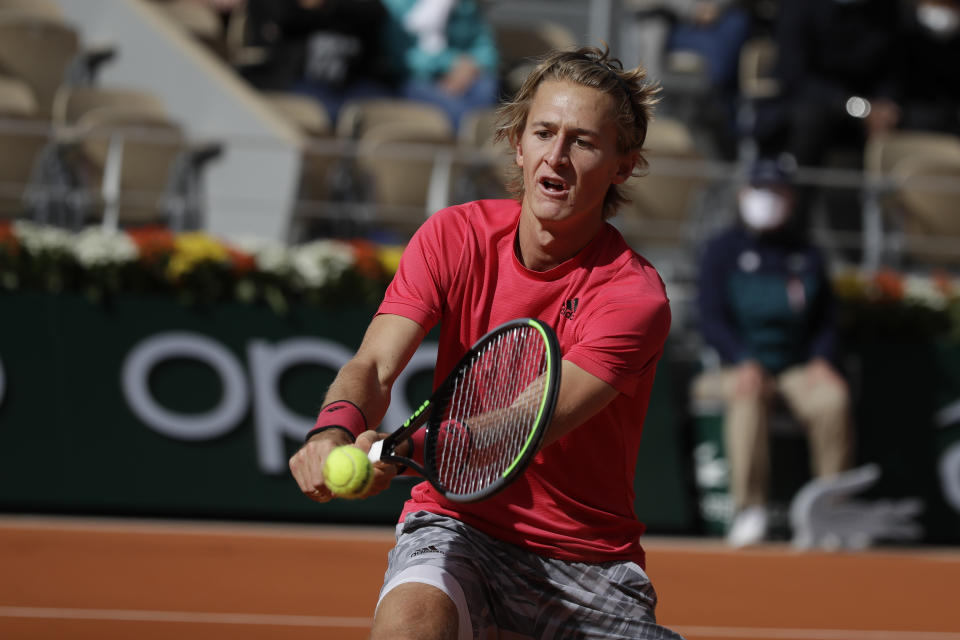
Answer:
[(427, 266), (623, 340)]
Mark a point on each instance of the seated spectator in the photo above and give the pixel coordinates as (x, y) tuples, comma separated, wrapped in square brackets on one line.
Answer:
[(442, 52), (766, 307), (836, 72), (328, 49), (832, 52), (714, 29), (928, 76)]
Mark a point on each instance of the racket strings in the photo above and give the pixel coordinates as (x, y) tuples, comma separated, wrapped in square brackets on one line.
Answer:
[(493, 410)]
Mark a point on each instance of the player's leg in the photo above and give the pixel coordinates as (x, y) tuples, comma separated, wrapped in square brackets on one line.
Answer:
[(416, 611), (604, 601), (431, 588)]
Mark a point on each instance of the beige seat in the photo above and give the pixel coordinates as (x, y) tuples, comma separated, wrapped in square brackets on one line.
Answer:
[(305, 113), (483, 167), (757, 59), (357, 116), (73, 102), (663, 200), (662, 219), (883, 215), (410, 167), (928, 195), (319, 160), (477, 128), (40, 50), (138, 168), (521, 44), (146, 148), (22, 138), (47, 8), (884, 151)]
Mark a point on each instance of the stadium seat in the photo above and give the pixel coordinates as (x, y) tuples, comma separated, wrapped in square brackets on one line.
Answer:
[(520, 44), (134, 168), (41, 51), (47, 8), (928, 190), (357, 116), (884, 219), (482, 169), (304, 112), (662, 201), (22, 136), (319, 162), (757, 59), (410, 166), (71, 103)]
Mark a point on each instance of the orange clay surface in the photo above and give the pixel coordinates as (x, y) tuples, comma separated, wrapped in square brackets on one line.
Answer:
[(63, 578)]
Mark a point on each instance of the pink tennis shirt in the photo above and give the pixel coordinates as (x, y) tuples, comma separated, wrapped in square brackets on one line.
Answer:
[(610, 311)]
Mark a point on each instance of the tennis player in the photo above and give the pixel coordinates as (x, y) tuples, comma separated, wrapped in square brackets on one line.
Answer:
[(556, 554)]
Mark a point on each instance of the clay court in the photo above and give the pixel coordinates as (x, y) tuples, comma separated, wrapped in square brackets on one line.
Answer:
[(111, 579)]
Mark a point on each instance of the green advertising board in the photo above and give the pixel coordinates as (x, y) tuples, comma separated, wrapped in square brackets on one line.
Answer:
[(146, 407)]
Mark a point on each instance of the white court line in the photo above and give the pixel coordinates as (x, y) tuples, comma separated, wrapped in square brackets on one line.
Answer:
[(744, 633), (305, 531), (774, 633), (141, 615)]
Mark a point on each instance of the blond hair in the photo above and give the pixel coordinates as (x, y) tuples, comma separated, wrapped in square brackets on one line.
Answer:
[(595, 68)]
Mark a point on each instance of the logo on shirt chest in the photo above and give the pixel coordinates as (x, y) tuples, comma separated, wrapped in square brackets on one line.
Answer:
[(569, 308)]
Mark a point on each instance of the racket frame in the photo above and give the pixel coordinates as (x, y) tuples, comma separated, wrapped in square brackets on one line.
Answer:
[(385, 449)]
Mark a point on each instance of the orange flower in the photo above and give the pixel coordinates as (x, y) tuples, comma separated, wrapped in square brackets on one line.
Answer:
[(152, 242), (242, 261), (888, 285), (943, 283), (7, 238), (365, 259)]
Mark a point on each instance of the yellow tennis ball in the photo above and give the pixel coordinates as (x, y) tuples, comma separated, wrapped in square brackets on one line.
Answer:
[(347, 472)]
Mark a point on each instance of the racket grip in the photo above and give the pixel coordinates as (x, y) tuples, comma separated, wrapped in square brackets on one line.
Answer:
[(375, 451)]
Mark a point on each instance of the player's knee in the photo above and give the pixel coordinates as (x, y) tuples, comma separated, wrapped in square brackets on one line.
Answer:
[(415, 611)]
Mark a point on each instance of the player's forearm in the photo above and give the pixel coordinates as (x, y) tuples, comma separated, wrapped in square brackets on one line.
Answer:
[(359, 383)]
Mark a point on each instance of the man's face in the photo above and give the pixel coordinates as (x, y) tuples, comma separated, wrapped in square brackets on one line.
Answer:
[(568, 153)]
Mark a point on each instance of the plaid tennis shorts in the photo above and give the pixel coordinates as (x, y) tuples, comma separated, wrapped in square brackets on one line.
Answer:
[(499, 587)]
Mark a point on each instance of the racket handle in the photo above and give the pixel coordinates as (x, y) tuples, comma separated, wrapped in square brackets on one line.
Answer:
[(375, 451)]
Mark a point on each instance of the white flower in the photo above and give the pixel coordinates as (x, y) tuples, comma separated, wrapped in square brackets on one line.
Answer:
[(922, 291), (318, 263), (270, 256), (38, 239), (96, 247)]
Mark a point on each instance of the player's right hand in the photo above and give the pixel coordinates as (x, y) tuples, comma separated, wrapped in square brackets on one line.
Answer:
[(306, 465)]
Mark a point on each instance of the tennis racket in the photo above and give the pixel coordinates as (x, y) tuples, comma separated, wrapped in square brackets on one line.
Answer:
[(486, 420)]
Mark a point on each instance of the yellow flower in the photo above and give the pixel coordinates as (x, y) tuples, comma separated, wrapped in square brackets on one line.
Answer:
[(389, 257), (849, 285), (192, 249)]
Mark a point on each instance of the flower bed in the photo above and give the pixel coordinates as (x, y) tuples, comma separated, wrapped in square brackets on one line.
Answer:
[(890, 305), (196, 267)]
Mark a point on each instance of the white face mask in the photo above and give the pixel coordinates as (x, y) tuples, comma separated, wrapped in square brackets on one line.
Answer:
[(942, 21), (763, 209)]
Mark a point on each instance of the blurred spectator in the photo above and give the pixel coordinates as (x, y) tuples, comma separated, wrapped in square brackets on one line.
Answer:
[(929, 73), (836, 68), (713, 29), (328, 49), (442, 52), (834, 58), (766, 307)]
